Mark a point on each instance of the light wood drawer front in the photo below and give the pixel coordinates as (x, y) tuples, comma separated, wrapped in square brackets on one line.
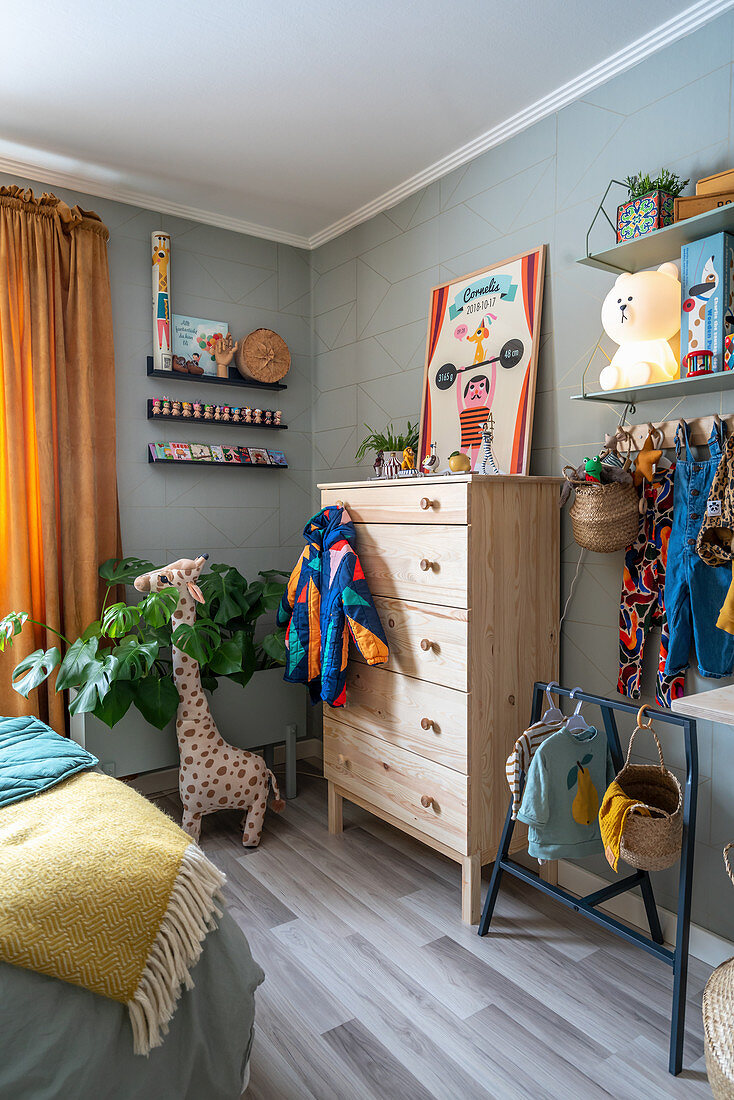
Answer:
[(412, 714), (403, 502), (395, 780), (425, 640), (415, 563)]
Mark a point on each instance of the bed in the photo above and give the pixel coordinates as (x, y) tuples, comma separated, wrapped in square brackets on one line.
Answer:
[(60, 1041)]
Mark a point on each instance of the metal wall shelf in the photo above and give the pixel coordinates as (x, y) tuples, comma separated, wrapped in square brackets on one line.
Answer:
[(661, 391), (662, 244)]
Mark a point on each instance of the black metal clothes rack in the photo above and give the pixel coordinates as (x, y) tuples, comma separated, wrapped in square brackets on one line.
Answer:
[(653, 944)]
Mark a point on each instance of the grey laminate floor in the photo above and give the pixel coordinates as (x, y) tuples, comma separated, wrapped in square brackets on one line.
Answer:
[(375, 990)]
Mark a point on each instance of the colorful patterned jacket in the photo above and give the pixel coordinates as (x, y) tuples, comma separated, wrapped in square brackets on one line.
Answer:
[(327, 599)]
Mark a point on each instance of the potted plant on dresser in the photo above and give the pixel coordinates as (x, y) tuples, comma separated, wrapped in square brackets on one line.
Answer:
[(390, 444), (650, 205), (122, 696)]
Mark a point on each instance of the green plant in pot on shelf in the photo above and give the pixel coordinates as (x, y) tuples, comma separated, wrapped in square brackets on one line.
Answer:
[(650, 204), (387, 441), (123, 659)]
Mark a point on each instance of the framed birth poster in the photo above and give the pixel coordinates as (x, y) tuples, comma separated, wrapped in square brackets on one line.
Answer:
[(481, 364)]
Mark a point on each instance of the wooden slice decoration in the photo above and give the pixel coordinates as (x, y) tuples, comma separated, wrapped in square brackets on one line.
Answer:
[(263, 356)]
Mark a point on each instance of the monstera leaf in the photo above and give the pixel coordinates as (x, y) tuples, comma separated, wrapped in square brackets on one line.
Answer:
[(134, 658), (274, 645), (10, 627), (223, 588), (119, 619), (123, 570), (36, 668), (156, 699), (227, 659), (158, 607), (116, 702), (97, 681), (200, 640), (78, 656)]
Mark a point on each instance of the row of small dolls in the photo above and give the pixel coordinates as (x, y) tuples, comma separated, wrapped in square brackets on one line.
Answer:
[(196, 410)]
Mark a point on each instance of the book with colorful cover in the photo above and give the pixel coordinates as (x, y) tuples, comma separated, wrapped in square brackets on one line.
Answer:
[(181, 452), (193, 339), (232, 454), (245, 457), (163, 451), (201, 452), (259, 456), (217, 453), (277, 457)]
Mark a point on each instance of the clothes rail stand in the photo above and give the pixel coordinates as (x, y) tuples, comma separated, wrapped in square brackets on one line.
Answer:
[(587, 906)]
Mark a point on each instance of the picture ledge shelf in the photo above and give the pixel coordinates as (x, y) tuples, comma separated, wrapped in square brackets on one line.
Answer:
[(234, 379), (662, 244), (199, 420), (660, 391), (208, 462)]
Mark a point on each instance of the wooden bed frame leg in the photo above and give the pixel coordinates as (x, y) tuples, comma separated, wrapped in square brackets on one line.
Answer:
[(471, 883), (336, 822)]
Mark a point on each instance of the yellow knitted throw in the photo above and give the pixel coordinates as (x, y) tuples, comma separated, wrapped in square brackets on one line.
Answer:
[(101, 889), (612, 819)]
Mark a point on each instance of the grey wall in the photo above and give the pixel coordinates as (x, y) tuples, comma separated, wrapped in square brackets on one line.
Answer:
[(370, 302)]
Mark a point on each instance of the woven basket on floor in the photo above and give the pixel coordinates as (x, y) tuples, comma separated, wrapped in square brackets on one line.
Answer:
[(718, 1021), (652, 842), (605, 518)]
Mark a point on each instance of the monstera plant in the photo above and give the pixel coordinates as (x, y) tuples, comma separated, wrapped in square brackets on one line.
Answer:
[(123, 659)]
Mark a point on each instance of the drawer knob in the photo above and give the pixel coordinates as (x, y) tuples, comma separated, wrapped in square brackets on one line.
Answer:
[(426, 503), (340, 504), (426, 644), (341, 759), (426, 564), (429, 803), (426, 724)]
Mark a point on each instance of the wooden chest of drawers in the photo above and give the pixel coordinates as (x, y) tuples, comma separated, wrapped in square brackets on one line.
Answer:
[(465, 574)]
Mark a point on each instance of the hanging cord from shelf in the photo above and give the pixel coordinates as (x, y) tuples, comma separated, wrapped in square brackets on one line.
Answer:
[(579, 563)]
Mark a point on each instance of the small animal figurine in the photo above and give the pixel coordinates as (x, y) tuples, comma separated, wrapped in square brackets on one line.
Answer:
[(176, 408), (218, 412), (258, 416), (224, 352), (277, 416), (179, 364), (197, 410), (248, 414), (592, 469), (431, 461), (408, 462), (156, 406), (487, 464), (379, 464), (166, 407), (208, 412), (186, 410), (268, 416), (236, 415), (226, 412)]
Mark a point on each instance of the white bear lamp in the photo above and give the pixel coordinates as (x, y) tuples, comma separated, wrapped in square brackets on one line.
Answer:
[(642, 314)]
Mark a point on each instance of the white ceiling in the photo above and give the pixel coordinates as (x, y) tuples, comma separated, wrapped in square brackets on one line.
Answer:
[(294, 119)]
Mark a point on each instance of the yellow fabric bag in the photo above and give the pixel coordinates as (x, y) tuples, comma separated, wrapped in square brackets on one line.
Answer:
[(99, 888), (612, 818)]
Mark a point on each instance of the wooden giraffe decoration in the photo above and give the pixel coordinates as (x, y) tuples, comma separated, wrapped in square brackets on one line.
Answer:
[(213, 774)]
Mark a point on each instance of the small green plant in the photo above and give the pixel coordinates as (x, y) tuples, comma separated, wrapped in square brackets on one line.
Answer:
[(388, 440), (642, 184), (124, 657)]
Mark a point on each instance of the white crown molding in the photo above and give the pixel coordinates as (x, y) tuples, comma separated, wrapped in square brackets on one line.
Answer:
[(87, 179), (90, 185), (664, 35)]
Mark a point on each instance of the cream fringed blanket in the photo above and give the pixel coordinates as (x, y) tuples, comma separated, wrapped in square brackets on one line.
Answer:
[(101, 889)]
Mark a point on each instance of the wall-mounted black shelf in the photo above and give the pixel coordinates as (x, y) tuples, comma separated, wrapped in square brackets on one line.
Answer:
[(161, 419), (207, 462), (234, 379)]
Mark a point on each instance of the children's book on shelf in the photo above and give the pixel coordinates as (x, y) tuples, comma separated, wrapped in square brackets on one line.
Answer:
[(232, 454), (181, 451), (217, 453), (259, 456), (201, 452), (193, 339), (245, 457), (163, 451), (277, 457)]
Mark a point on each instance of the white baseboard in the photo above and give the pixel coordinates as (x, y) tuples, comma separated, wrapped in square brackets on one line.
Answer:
[(165, 780), (704, 945)]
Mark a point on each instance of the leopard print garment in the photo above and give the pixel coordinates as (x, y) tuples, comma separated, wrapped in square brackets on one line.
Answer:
[(714, 543)]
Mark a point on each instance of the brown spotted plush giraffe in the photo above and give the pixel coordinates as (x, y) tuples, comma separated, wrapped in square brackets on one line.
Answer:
[(213, 775)]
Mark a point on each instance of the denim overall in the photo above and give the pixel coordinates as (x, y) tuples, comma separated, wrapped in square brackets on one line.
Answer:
[(694, 591)]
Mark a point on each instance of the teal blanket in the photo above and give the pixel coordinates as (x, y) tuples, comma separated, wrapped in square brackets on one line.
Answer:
[(34, 758)]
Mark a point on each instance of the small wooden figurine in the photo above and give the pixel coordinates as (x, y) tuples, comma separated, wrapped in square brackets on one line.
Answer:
[(379, 464), (223, 351), (487, 462), (431, 462), (408, 462)]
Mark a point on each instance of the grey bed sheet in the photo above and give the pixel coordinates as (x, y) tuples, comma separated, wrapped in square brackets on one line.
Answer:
[(60, 1042)]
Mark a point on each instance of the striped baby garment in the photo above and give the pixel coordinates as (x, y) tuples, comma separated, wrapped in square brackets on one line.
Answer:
[(519, 759)]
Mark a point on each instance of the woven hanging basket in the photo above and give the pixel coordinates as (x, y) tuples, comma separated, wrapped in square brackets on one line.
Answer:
[(263, 356), (605, 518), (718, 1021), (651, 843)]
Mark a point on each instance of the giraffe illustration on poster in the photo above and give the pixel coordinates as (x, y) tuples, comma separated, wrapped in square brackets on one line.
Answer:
[(481, 362), (161, 249)]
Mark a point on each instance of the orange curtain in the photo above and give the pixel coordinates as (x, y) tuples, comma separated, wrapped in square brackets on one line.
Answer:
[(58, 486)]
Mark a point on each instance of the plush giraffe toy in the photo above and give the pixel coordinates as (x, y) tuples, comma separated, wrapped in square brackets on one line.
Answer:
[(213, 774)]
